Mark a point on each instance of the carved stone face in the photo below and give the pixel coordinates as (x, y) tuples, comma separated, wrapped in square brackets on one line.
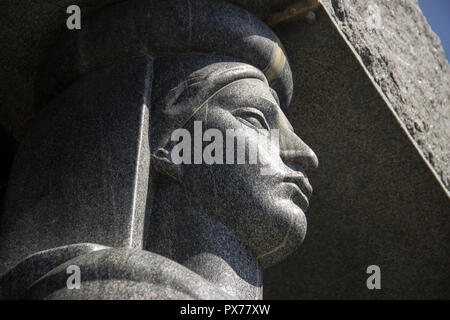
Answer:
[(263, 203)]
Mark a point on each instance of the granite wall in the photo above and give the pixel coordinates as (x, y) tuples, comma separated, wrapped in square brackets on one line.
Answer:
[(405, 58)]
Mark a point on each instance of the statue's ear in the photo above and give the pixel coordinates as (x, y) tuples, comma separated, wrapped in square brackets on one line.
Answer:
[(162, 163)]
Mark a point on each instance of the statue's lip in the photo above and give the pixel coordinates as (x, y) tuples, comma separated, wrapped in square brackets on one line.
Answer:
[(303, 186), (302, 182), (298, 197)]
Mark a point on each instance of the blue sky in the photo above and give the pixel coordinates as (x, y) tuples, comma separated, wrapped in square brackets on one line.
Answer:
[(437, 13)]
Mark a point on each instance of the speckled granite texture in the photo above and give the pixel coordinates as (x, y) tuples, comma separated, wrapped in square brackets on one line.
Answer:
[(26, 41), (112, 102), (406, 59), (375, 201)]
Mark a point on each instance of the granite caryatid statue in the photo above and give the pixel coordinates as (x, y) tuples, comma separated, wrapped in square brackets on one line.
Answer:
[(107, 195)]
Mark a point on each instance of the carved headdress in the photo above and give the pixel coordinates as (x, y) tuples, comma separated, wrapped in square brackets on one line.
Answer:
[(160, 28)]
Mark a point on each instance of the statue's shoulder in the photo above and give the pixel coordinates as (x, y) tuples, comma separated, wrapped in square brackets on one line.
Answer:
[(110, 273)]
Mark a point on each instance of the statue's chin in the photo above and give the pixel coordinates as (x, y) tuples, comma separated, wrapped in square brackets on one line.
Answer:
[(292, 240)]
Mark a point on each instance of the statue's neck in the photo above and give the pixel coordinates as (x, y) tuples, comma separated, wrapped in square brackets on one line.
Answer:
[(192, 237)]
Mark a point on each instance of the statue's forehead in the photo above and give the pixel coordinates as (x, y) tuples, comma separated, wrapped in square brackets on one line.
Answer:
[(249, 92)]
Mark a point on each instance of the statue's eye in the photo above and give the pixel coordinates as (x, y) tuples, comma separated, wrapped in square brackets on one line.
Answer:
[(255, 122), (252, 117)]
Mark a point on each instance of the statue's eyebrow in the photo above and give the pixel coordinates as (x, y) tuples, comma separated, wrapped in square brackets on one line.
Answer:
[(274, 105), (205, 102)]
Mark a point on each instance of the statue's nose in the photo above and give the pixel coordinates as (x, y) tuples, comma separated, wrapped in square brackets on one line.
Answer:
[(295, 152)]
